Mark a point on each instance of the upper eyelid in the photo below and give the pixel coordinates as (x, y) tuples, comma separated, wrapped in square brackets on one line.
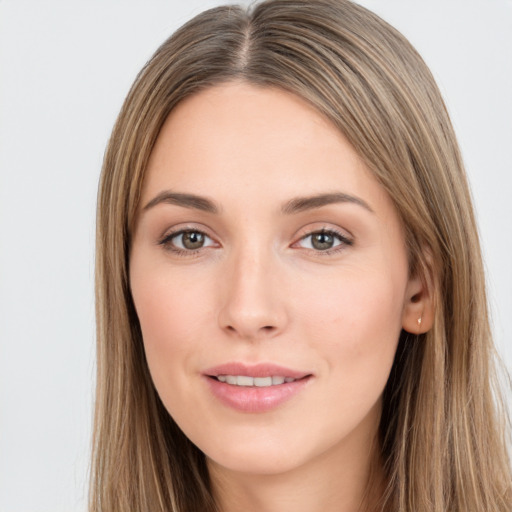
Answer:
[(342, 233), (174, 231), (173, 234)]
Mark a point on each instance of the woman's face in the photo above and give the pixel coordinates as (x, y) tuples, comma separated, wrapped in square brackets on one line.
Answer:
[(270, 277)]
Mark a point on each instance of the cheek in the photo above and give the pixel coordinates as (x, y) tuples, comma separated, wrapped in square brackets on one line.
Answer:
[(172, 316), (157, 310), (169, 312), (355, 302), (354, 329), (356, 325)]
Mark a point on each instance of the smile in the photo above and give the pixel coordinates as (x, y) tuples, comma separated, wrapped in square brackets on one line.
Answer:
[(260, 382), (256, 388)]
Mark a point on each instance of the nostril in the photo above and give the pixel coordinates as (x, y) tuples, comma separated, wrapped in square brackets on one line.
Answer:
[(268, 329)]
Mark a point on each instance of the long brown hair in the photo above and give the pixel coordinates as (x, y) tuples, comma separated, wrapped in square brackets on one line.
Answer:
[(442, 429)]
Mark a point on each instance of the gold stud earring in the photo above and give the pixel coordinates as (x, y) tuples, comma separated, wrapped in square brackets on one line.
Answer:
[(419, 321)]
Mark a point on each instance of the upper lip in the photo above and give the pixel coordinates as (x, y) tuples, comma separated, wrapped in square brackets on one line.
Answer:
[(255, 370)]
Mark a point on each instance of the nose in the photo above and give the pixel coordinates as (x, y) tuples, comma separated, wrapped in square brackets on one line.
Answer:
[(252, 304)]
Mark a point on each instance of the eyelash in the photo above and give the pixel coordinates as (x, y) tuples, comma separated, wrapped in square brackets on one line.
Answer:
[(343, 239), (166, 241)]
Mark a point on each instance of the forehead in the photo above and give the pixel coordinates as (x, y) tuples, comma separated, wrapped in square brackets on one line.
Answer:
[(236, 139)]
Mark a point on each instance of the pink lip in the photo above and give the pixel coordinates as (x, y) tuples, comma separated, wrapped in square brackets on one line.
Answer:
[(254, 370), (255, 399)]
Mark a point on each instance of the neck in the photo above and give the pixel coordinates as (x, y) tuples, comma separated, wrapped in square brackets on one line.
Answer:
[(338, 481)]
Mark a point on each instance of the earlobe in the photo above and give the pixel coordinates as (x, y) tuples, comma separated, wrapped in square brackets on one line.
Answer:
[(418, 312)]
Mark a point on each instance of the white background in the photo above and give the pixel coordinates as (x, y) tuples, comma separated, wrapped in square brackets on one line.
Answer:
[(65, 68)]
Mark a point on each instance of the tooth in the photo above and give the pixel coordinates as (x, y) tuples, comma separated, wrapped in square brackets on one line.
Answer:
[(263, 381), (246, 381), (243, 380)]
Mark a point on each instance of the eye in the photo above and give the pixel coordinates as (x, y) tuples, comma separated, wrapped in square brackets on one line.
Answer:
[(323, 240), (187, 240)]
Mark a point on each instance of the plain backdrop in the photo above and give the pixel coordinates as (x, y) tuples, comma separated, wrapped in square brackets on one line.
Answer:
[(65, 68)]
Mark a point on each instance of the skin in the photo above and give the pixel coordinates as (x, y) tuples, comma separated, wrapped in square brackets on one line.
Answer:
[(259, 291)]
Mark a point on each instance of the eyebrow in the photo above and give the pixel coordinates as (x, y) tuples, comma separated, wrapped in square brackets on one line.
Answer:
[(184, 200), (300, 204), (295, 205)]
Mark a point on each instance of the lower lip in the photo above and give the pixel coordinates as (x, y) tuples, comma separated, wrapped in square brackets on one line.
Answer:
[(254, 399)]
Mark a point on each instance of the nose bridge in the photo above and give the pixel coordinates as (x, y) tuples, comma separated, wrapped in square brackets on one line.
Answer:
[(251, 305)]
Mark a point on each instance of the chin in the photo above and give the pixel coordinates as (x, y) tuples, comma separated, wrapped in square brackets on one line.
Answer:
[(278, 447), (254, 461)]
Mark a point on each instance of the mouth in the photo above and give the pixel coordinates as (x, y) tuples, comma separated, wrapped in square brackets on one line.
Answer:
[(255, 375), (255, 388), (258, 382)]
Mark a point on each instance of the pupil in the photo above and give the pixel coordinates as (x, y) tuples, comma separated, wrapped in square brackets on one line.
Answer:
[(193, 240), (322, 241)]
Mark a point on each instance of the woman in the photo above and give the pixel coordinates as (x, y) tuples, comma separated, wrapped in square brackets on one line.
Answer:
[(290, 295)]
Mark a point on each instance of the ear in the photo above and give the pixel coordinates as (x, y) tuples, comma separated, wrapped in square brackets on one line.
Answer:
[(418, 312)]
